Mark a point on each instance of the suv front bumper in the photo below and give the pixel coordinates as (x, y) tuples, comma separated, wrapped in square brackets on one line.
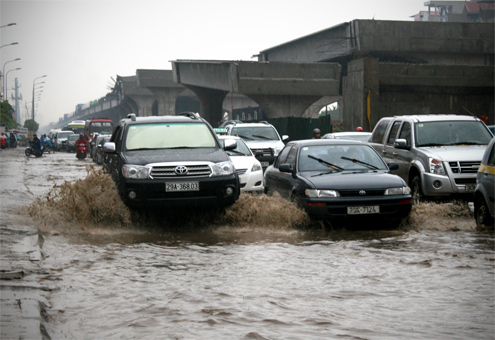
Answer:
[(148, 194)]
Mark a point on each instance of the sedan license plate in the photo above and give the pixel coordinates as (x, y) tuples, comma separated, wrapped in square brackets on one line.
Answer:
[(265, 164), (374, 209), (182, 186)]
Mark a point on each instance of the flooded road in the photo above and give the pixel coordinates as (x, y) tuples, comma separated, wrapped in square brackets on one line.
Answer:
[(232, 276)]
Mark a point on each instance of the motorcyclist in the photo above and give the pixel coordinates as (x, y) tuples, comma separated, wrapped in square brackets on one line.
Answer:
[(82, 140), (36, 143), (316, 134)]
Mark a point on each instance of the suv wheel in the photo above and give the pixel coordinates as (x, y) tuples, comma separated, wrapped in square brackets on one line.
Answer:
[(416, 190), (481, 213)]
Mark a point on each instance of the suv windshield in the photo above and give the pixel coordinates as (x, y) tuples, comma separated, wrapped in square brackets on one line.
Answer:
[(256, 133), (451, 133), (169, 135)]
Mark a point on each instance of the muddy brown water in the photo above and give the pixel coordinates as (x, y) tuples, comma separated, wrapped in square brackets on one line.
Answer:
[(258, 271)]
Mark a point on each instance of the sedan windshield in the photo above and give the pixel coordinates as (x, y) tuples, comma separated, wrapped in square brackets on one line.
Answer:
[(339, 157), (451, 133), (169, 135)]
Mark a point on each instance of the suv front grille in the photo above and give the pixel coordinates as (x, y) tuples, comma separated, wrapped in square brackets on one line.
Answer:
[(266, 152), (464, 167), (169, 171)]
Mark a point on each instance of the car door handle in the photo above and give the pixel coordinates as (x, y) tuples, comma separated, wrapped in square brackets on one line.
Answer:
[(394, 153)]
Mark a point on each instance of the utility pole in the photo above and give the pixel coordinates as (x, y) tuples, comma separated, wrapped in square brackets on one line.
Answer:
[(16, 99)]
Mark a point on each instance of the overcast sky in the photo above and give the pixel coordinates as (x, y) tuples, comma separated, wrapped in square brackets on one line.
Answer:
[(81, 45)]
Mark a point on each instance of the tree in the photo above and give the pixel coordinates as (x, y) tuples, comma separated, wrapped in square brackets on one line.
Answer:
[(7, 115), (31, 125)]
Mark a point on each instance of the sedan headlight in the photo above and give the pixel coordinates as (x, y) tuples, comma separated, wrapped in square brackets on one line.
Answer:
[(398, 191), (256, 167), (321, 193), (436, 167), (135, 171), (222, 169)]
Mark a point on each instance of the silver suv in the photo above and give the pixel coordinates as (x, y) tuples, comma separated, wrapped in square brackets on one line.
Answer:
[(438, 155), (262, 138)]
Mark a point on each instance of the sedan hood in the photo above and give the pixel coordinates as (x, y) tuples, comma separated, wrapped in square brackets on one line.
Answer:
[(143, 157), (354, 180)]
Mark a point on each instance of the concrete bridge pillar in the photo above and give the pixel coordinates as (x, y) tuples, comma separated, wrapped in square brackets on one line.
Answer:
[(211, 103)]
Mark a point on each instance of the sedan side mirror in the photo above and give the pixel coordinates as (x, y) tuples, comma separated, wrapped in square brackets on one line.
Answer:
[(286, 168)]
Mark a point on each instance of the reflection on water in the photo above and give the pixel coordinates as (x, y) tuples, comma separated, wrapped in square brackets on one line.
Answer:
[(263, 270)]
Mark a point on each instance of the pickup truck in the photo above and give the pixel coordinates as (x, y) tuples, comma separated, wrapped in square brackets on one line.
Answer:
[(438, 155)]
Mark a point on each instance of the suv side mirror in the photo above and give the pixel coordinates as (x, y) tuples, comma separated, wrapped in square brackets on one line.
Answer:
[(109, 147), (285, 138), (401, 144)]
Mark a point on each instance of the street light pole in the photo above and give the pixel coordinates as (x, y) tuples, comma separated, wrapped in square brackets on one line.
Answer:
[(15, 69), (14, 43), (33, 93), (3, 74)]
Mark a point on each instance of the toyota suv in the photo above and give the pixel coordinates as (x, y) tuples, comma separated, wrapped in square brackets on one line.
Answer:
[(171, 162), (262, 138)]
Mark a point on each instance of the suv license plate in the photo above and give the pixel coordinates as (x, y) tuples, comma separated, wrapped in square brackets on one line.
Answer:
[(182, 186), (265, 164), (374, 209), (470, 187)]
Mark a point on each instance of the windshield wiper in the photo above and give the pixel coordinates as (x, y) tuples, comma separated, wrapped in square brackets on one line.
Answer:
[(236, 152), (354, 160), (141, 149), (467, 143), (431, 144), (262, 137), (330, 165), (244, 137)]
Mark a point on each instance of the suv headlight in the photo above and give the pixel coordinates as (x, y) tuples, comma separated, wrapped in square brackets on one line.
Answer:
[(398, 191), (436, 167), (135, 171), (321, 193), (222, 169)]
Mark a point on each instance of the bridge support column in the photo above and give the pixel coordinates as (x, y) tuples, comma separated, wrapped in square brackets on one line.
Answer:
[(211, 103)]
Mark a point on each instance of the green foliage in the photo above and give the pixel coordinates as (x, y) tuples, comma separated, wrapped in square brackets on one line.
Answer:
[(31, 125), (7, 115)]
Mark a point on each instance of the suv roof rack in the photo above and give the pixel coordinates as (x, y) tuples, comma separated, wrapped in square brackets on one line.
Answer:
[(189, 114)]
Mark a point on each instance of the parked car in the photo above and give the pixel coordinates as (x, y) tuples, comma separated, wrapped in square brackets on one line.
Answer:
[(362, 136), (262, 138), (438, 155), (94, 143), (247, 166), (336, 180), (171, 162), (99, 156), (70, 144), (484, 200), (60, 139)]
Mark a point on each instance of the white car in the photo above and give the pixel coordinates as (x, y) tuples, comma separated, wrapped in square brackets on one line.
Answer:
[(354, 135), (262, 138), (247, 166)]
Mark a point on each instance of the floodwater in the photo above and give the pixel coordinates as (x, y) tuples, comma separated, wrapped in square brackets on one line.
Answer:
[(260, 270)]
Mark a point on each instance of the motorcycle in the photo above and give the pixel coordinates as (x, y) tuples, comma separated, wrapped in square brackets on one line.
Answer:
[(81, 151), (33, 150), (46, 146)]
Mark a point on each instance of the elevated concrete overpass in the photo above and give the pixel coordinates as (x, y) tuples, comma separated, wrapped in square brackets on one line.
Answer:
[(373, 68)]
